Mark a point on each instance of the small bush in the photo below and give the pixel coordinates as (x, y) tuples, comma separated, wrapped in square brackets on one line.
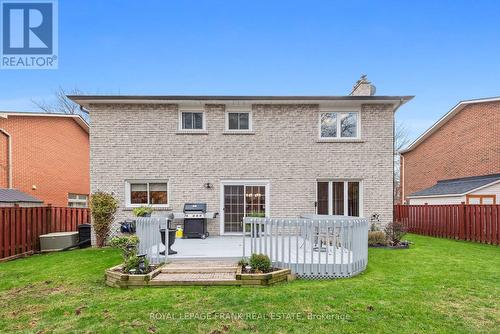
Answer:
[(128, 246), (260, 262), (377, 238), (142, 211), (102, 207), (256, 214), (243, 262), (395, 231)]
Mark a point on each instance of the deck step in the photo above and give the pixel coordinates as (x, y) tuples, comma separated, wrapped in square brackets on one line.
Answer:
[(203, 278), (200, 267), (172, 270)]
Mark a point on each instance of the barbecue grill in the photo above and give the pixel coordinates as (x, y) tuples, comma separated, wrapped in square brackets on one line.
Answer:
[(195, 217)]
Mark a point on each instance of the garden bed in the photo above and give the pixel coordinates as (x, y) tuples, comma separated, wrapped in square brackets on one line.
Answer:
[(264, 279), (117, 279)]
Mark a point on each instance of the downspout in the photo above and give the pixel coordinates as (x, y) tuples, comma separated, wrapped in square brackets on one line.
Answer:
[(9, 156), (401, 101)]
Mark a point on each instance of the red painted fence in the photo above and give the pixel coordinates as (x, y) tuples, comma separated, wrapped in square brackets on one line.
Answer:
[(20, 228), (480, 223)]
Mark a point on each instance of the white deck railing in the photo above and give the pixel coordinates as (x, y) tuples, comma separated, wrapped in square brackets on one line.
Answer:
[(313, 246), (148, 232)]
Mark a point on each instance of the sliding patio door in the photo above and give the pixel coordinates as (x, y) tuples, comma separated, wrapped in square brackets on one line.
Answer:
[(338, 198), (240, 200)]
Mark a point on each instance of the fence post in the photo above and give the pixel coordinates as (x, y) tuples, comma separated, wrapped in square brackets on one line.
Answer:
[(461, 221), (48, 214)]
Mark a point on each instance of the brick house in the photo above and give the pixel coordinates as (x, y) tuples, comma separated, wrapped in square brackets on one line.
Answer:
[(45, 156), (463, 143), (278, 155)]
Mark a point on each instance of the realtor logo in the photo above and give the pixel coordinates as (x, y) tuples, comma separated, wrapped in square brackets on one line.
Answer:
[(29, 34)]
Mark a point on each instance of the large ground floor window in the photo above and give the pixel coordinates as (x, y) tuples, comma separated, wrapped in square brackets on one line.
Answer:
[(338, 198)]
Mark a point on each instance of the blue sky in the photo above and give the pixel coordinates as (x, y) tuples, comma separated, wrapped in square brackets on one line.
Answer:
[(439, 51)]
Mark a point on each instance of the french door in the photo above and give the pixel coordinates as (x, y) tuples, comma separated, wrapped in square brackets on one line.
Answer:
[(339, 198), (240, 199)]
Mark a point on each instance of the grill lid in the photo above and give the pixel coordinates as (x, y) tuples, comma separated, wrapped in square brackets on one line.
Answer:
[(195, 207)]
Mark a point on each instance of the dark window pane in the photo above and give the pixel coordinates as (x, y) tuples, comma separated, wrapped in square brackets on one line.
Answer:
[(233, 208), (348, 124), (139, 193), (338, 198), (353, 199), (233, 121), (158, 193), (328, 124), (198, 120), (244, 121), (187, 120), (322, 195)]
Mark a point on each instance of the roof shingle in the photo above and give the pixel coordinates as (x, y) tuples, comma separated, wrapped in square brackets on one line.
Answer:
[(457, 186), (14, 195)]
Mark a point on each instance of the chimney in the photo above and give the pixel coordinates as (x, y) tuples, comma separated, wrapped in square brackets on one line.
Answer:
[(363, 87)]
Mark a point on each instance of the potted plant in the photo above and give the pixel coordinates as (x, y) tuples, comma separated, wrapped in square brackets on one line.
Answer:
[(257, 231), (143, 211)]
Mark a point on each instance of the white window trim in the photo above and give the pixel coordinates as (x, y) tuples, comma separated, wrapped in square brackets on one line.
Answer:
[(128, 203), (346, 194), (78, 200), (250, 121), (339, 111), (204, 120)]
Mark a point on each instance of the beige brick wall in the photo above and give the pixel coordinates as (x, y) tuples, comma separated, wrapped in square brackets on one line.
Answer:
[(140, 142)]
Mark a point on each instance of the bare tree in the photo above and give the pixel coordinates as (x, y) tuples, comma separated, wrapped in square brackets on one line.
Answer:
[(401, 140), (61, 104)]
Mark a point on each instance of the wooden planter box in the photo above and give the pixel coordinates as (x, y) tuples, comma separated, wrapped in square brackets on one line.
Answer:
[(266, 279), (117, 279)]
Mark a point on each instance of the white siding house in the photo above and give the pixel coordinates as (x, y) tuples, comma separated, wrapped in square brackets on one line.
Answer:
[(470, 190)]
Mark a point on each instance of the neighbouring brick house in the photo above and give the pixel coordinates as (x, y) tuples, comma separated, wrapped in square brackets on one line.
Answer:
[(463, 143), (45, 156), (278, 155)]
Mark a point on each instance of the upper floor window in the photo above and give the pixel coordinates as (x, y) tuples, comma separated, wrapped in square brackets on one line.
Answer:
[(238, 121), (147, 193), (192, 120), (339, 125)]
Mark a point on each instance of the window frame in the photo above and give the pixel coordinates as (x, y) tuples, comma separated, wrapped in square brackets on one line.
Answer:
[(203, 122), (78, 200), (339, 111), (128, 200), (346, 194), (235, 111)]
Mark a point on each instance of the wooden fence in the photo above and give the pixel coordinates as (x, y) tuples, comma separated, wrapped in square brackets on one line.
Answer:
[(480, 223), (20, 228)]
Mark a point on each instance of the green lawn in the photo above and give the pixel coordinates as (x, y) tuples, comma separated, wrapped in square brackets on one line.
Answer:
[(437, 286)]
